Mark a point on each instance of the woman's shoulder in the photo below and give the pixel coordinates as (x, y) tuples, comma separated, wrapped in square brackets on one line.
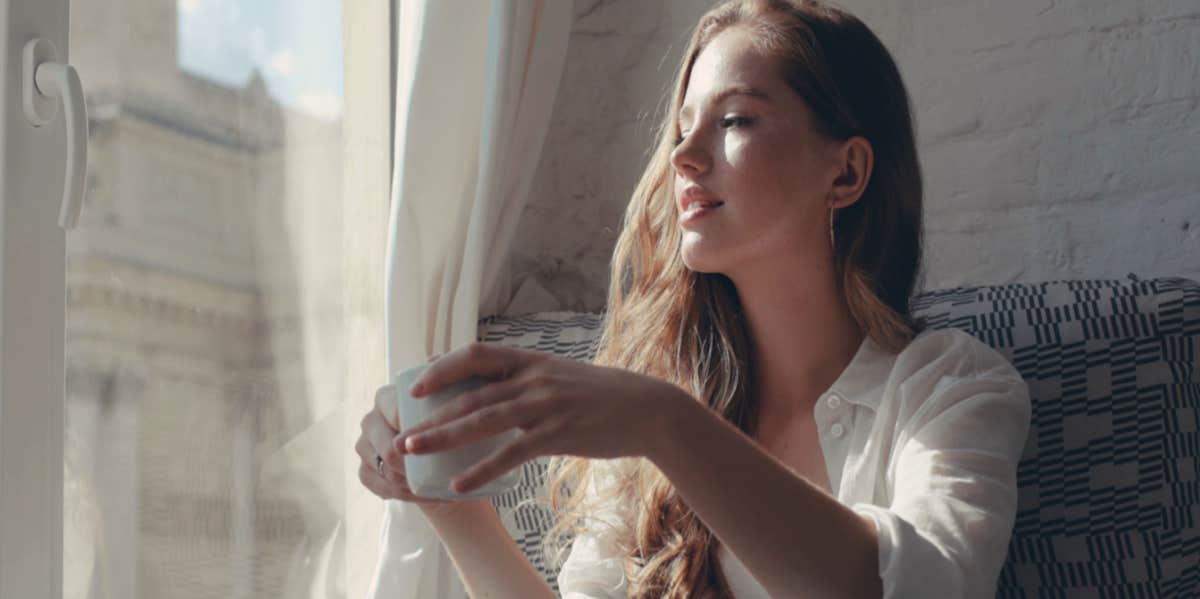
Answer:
[(951, 352), (948, 376), (943, 368)]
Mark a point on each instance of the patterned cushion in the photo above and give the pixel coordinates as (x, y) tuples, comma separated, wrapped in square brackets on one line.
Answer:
[(1110, 477), (568, 334)]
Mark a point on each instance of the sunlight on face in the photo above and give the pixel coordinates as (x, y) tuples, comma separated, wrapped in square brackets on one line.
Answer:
[(746, 139)]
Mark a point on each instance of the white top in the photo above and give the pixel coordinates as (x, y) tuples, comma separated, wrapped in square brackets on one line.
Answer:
[(924, 442)]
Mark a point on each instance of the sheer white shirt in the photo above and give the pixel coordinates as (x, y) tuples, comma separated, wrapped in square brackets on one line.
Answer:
[(925, 442)]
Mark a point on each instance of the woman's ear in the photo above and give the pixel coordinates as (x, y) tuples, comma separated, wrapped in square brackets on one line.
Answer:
[(854, 160)]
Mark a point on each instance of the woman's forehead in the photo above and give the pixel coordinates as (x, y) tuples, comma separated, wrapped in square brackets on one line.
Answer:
[(730, 61)]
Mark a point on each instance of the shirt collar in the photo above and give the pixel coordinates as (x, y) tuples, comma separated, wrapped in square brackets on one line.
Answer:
[(863, 380)]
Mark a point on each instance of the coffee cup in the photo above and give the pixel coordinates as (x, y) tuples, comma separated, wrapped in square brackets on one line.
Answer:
[(429, 475)]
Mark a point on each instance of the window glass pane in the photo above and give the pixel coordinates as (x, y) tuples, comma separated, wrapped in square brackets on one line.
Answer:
[(204, 286)]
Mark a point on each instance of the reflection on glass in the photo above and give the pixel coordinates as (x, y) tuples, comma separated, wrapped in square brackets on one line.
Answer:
[(204, 306)]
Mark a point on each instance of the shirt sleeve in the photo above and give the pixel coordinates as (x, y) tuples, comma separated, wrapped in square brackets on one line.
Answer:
[(962, 427), (594, 569)]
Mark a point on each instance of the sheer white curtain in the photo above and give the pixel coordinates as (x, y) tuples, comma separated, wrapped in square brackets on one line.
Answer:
[(476, 83)]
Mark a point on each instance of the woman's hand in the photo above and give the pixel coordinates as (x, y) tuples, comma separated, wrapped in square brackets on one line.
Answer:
[(379, 427), (563, 407)]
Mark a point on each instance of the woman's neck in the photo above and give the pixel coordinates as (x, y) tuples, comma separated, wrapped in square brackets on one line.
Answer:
[(803, 335)]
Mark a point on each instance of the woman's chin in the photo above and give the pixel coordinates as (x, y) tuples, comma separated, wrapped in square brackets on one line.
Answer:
[(698, 261)]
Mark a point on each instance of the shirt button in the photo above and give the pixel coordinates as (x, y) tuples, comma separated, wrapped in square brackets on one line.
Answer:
[(837, 430), (834, 402)]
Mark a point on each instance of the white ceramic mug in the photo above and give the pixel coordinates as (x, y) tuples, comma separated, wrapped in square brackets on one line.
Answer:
[(429, 474)]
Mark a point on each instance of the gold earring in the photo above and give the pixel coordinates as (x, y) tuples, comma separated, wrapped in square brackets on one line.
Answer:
[(832, 243)]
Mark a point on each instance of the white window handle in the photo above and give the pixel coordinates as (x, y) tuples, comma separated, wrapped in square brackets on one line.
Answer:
[(44, 80)]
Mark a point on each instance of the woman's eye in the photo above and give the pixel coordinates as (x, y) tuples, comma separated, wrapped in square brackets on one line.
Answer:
[(734, 121), (725, 123)]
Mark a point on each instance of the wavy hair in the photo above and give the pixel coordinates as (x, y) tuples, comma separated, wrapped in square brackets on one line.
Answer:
[(665, 320)]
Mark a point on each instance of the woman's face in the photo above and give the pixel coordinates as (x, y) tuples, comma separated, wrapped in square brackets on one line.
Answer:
[(748, 141)]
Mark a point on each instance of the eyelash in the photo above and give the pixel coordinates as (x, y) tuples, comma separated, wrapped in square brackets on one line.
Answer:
[(732, 121)]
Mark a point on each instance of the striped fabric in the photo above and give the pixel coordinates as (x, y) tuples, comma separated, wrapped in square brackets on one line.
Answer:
[(1110, 477)]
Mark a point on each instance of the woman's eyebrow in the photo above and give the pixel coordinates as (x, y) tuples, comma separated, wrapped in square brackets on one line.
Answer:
[(737, 90)]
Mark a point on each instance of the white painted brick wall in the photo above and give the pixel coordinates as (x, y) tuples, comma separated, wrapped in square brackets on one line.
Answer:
[(1059, 138)]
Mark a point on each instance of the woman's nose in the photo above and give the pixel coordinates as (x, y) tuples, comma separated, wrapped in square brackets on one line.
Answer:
[(689, 157)]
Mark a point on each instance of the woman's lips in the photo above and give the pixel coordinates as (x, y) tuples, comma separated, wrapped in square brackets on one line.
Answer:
[(698, 210)]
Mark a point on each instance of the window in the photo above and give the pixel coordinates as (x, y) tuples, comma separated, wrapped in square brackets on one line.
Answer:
[(209, 285)]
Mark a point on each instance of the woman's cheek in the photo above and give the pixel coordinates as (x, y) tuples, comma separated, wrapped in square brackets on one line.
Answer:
[(752, 167)]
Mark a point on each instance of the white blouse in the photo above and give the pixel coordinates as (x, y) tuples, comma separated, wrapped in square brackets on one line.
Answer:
[(924, 442)]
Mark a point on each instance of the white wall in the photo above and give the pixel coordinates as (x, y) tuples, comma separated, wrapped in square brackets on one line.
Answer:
[(1059, 138)]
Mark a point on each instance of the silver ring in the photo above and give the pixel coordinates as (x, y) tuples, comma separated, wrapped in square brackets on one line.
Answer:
[(379, 466)]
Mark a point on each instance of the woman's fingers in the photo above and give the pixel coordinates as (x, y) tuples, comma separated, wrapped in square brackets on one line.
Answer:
[(466, 403), (484, 359), (389, 489), (385, 404), (393, 484), (378, 435), (364, 450), (370, 479), (478, 425)]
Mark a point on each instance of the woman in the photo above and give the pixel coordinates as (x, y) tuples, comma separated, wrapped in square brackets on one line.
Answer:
[(785, 428)]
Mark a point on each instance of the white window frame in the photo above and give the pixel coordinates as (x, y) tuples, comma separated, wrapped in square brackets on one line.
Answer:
[(32, 317)]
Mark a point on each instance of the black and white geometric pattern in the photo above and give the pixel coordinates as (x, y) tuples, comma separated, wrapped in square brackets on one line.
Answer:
[(1110, 478), (569, 334)]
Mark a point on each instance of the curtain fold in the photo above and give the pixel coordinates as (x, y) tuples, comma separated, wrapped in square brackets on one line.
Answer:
[(475, 90)]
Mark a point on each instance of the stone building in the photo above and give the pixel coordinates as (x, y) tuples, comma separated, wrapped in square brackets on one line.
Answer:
[(190, 302)]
